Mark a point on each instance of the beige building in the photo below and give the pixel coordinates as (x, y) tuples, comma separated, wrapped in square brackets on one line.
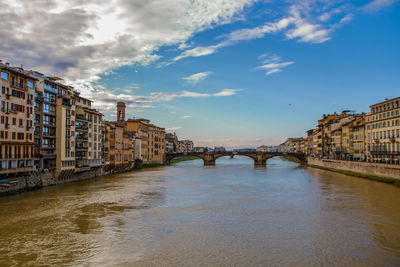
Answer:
[(16, 121), (383, 132), (171, 143), (65, 141), (181, 147), (87, 135), (152, 137)]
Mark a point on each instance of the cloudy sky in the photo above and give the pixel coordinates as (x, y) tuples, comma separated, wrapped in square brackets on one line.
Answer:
[(220, 72)]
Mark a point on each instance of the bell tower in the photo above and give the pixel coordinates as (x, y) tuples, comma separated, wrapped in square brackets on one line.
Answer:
[(121, 112)]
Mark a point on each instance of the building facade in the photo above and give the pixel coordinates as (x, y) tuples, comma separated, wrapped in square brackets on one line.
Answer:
[(16, 121), (383, 132)]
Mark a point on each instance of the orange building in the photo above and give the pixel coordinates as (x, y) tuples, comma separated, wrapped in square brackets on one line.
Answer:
[(16, 121)]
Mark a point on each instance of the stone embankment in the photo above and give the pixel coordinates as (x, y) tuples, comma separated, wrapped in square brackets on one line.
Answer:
[(15, 185), (383, 172)]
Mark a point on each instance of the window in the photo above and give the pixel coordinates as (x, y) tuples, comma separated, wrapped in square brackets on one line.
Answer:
[(30, 84), (4, 75)]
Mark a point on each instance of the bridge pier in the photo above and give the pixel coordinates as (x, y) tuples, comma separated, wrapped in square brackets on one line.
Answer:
[(260, 163), (210, 162)]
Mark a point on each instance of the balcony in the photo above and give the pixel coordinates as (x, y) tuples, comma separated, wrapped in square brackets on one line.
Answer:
[(81, 128), (377, 152), (66, 104), (49, 156), (49, 135), (39, 97), (48, 147), (82, 118), (80, 148), (50, 112), (80, 137), (50, 101), (19, 86)]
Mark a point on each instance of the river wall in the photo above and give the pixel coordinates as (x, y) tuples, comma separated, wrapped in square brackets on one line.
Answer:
[(364, 168), (15, 185), (34, 181)]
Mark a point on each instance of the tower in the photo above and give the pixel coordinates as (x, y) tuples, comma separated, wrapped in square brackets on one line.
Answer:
[(121, 111)]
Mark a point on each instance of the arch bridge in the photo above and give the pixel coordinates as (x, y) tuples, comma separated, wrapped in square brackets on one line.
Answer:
[(260, 158)]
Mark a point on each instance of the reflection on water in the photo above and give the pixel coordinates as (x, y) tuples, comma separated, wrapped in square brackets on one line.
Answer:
[(187, 214)]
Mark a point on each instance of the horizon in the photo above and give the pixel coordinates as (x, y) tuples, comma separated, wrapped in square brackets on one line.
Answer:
[(235, 73)]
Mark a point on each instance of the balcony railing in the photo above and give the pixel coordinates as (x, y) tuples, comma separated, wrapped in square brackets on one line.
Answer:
[(377, 152), (19, 86), (48, 147), (52, 135), (82, 118), (80, 127), (79, 137)]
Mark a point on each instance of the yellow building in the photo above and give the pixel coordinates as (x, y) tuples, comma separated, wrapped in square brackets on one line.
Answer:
[(383, 132), (357, 139), (317, 142), (152, 137), (16, 125)]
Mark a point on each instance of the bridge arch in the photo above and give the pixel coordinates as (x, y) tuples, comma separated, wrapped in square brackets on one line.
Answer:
[(260, 158)]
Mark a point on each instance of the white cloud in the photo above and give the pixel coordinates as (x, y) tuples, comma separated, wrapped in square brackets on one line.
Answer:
[(273, 63), (377, 5), (186, 117), (273, 71), (197, 77), (226, 92), (79, 40), (105, 101), (174, 128), (306, 21), (197, 52)]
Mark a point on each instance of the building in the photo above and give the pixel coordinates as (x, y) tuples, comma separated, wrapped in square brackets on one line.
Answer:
[(87, 135), (188, 146), (16, 121), (181, 147), (152, 137), (65, 131), (108, 153), (292, 145), (219, 149), (171, 143), (317, 142), (383, 132)]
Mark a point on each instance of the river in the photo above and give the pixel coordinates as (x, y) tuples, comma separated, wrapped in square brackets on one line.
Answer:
[(187, 214)]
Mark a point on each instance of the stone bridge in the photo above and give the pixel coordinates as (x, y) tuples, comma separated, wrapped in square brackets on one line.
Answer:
[(209, 158)]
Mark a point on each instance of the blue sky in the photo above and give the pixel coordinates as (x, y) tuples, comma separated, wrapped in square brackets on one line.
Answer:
[(233, 73)]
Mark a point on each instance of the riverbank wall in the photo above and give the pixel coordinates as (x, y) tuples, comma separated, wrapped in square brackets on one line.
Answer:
[(377, 171), (16, 185), (36, 180)]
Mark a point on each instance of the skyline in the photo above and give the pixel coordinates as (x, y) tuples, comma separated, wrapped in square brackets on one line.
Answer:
[(244, 73)]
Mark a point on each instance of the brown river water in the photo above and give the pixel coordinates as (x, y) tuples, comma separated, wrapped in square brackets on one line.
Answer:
[(190, 215)]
